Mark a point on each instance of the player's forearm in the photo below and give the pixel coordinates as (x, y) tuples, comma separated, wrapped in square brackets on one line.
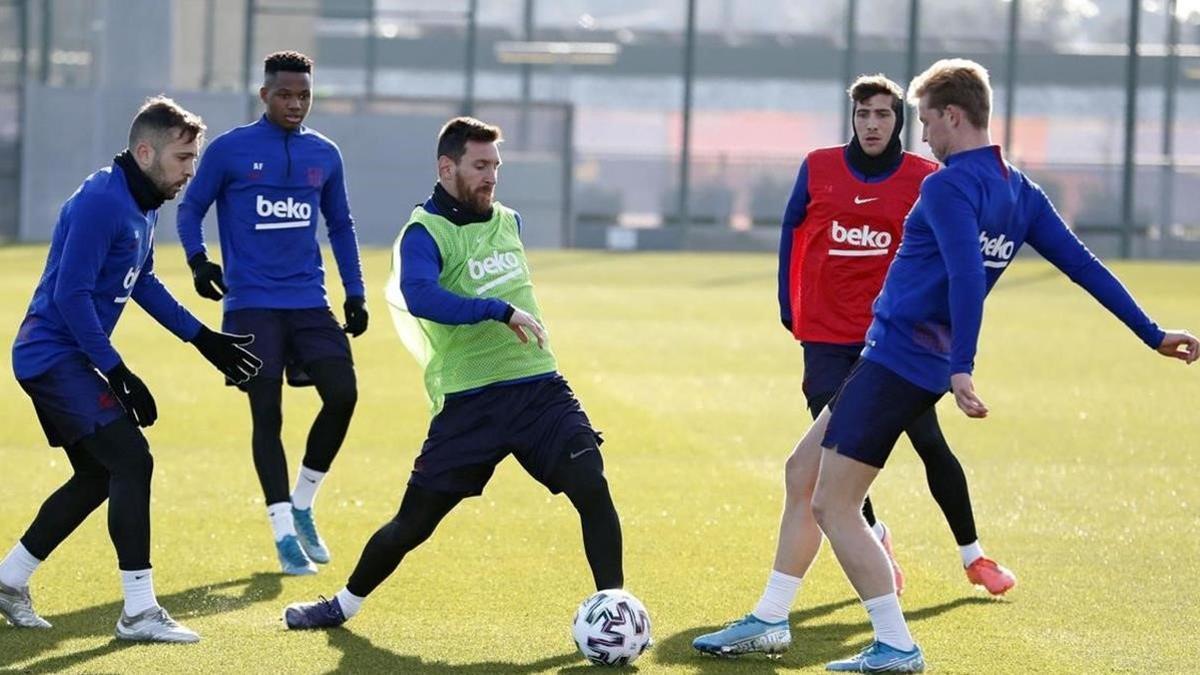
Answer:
[(78, 312), (428, 300), (151, 295), (1103, 285), (344, 242), (190, 226), (966, 318)]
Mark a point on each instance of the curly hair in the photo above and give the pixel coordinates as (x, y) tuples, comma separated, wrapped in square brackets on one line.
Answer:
[(287, 61)]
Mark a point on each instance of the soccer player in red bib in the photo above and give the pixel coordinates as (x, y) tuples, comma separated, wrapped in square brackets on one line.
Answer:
[(840, 232), (972, 217)]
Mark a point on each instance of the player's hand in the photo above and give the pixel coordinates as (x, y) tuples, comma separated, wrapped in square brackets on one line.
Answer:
[(522, 321), (787, 323), (964, 395), (1180, 344), (228, 353), (208, 277), (133, 394), (355, 309)]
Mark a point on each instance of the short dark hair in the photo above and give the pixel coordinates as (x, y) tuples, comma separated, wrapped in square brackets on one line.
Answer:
[(286, 61), (452, 139), (157, 117), (867, 86)]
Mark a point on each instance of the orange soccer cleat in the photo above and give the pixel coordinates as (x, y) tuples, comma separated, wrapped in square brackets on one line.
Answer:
[(993, 576), (897, 573)]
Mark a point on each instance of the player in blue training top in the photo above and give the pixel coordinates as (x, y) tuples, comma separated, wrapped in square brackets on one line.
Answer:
[(269, 180), (970, 220), (101, 256)]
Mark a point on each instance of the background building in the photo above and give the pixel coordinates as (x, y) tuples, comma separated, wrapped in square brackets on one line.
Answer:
[(630, 123)]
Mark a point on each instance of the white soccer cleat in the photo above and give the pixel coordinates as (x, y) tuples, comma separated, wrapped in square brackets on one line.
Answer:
[(17, 607), (154, 625)]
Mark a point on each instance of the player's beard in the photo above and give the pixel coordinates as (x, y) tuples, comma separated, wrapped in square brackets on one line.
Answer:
[(479, 199), (158, 175)]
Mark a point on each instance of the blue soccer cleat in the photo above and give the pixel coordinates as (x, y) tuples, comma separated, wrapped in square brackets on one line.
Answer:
[(310, 541), (881, 658), (292, 558), (320, 614), (745, 636)]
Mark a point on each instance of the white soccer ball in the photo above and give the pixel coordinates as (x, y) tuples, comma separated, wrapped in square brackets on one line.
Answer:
[(611, 628)]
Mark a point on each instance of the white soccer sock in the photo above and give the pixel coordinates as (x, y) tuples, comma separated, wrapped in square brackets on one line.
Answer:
[(888, 622), (18, 566), (349, 602), (971, 552), (282, 524), (307, 484), (879, 530), (139, 591), (777, 597)]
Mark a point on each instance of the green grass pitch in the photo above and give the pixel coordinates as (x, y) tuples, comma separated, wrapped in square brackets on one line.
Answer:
[(1084, 481)]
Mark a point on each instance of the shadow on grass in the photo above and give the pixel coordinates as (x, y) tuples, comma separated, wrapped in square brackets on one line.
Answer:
[(19, 646), (811, 645), (360, 655)]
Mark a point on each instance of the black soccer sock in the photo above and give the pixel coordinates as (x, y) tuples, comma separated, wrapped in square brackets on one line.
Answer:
[(69, 505), (266, 417), (817, 403), (582, 480), (123, 451), (338, 389), (947, 482), (420, 512)]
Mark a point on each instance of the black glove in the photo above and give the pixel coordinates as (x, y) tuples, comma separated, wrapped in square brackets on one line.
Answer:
[(787, 323), (133, 395), (355, 308), (207, 275), (225, 351)]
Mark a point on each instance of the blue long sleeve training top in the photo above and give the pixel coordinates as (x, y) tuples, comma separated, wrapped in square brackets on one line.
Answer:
[(269, 184), (969, 222), (101, 255)]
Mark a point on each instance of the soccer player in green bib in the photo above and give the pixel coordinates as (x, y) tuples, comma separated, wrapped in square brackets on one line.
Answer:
[(462, 299)]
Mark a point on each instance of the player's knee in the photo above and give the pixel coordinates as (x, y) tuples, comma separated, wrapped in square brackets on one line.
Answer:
[(798, 479), (403, 534), (336, 383), (580, 473), (340, 396), (833, 511), (91, 486)]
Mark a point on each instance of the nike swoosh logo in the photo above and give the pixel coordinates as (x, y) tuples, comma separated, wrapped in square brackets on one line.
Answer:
[(139, 577), (573, 455), (309, 479), (860, 200)]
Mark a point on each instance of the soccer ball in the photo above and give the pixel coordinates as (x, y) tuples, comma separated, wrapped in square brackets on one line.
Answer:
[(611, 628)]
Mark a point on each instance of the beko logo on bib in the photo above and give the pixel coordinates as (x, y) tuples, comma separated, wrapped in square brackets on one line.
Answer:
[(996, 247), (506, 264), (865, 240), (496, 262), (298, 213)]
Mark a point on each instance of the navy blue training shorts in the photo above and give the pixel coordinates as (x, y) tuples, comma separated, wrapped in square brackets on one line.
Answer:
[(871, 410), (538, 422), (825, 368), (72, 401), (287, 340)]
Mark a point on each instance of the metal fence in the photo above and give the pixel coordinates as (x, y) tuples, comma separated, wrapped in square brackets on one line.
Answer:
[(677, 123)]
